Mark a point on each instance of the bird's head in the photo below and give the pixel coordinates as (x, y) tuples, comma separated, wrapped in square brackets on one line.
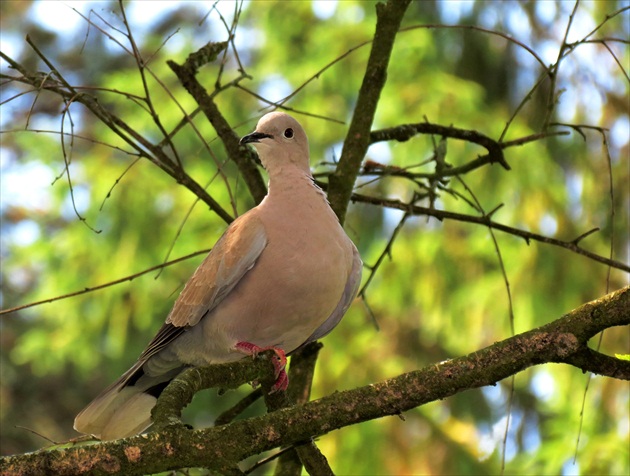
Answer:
[(279, 139)]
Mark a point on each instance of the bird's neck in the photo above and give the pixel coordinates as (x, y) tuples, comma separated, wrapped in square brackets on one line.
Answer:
[(291, 186)]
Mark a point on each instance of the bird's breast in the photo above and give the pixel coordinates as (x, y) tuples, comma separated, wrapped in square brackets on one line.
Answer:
[(294, 286)]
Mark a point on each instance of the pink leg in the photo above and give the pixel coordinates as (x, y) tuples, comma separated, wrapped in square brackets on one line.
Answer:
[(282, 380)]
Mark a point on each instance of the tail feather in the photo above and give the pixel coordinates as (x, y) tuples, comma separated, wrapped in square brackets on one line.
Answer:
[(131, 418), (124, 408), (118, 413)]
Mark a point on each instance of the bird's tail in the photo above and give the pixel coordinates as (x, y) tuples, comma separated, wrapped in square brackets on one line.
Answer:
[(124, 408)]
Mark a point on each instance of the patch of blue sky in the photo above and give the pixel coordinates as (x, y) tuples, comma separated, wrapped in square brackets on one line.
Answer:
[(26, 185), (492, 439), (574, 184), (489, 18), (518, 21), (542, 385), (546, 12), (274, 88), (12, 45), (494, 394), (570, 468), (452, 11), (59, 17), (24, 233), (531, 433), (324, 9), (620, 132), (380, 152), (548, 225)]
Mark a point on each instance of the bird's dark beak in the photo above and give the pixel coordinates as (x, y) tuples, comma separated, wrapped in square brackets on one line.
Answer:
[(254, 137)]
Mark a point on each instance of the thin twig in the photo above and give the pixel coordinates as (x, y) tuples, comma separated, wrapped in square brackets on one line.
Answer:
[(102, 286), (526, 235), (553, 70), (385, 253), (611, 195), (511, 316)]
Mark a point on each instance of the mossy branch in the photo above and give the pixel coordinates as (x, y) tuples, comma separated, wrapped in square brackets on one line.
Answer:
[(221, 448)]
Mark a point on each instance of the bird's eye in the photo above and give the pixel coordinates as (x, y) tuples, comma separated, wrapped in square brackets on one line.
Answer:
[(288, 133)]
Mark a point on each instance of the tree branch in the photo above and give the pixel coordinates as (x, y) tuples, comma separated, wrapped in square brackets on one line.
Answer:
[(102, 286), (486, 220), (299, 391), (128, 134), (405, 132), (389, 17), (242, 156), (220, 448)]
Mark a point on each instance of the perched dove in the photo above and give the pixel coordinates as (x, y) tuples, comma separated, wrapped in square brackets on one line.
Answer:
[(282, 275)]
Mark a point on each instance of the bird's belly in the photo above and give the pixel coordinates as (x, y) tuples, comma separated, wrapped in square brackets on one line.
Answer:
[(274, 304)]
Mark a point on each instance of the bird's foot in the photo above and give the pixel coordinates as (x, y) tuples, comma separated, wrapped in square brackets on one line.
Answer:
[(279, 362)]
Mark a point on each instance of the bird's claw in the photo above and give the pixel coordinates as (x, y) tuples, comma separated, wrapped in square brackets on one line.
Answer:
[(279, 363)]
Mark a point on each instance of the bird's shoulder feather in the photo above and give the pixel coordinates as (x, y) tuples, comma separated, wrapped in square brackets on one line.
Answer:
[(234, 254)]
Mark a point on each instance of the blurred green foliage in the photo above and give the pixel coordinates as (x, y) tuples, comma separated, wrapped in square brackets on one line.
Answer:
[(441, 295)]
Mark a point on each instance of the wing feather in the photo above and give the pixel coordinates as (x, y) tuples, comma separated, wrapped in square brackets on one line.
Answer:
[(235, 253), (348, 295)]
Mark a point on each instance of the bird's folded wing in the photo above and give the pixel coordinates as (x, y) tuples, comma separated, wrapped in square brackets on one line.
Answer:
[(234, 254), (348, 295)]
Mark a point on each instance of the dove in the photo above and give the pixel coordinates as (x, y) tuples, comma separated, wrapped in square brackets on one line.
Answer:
[(282, 275)]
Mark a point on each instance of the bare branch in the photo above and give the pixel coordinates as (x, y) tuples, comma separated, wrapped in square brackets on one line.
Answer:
[(553, 70), (102, 286), (386, 252), (404, 132), (485, 220), (242, 156)]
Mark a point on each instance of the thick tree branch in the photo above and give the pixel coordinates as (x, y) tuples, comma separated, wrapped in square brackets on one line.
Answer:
[(299, 391), (179, 393), (220, 448), (242, 156), (389, 17), (592, 361)]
